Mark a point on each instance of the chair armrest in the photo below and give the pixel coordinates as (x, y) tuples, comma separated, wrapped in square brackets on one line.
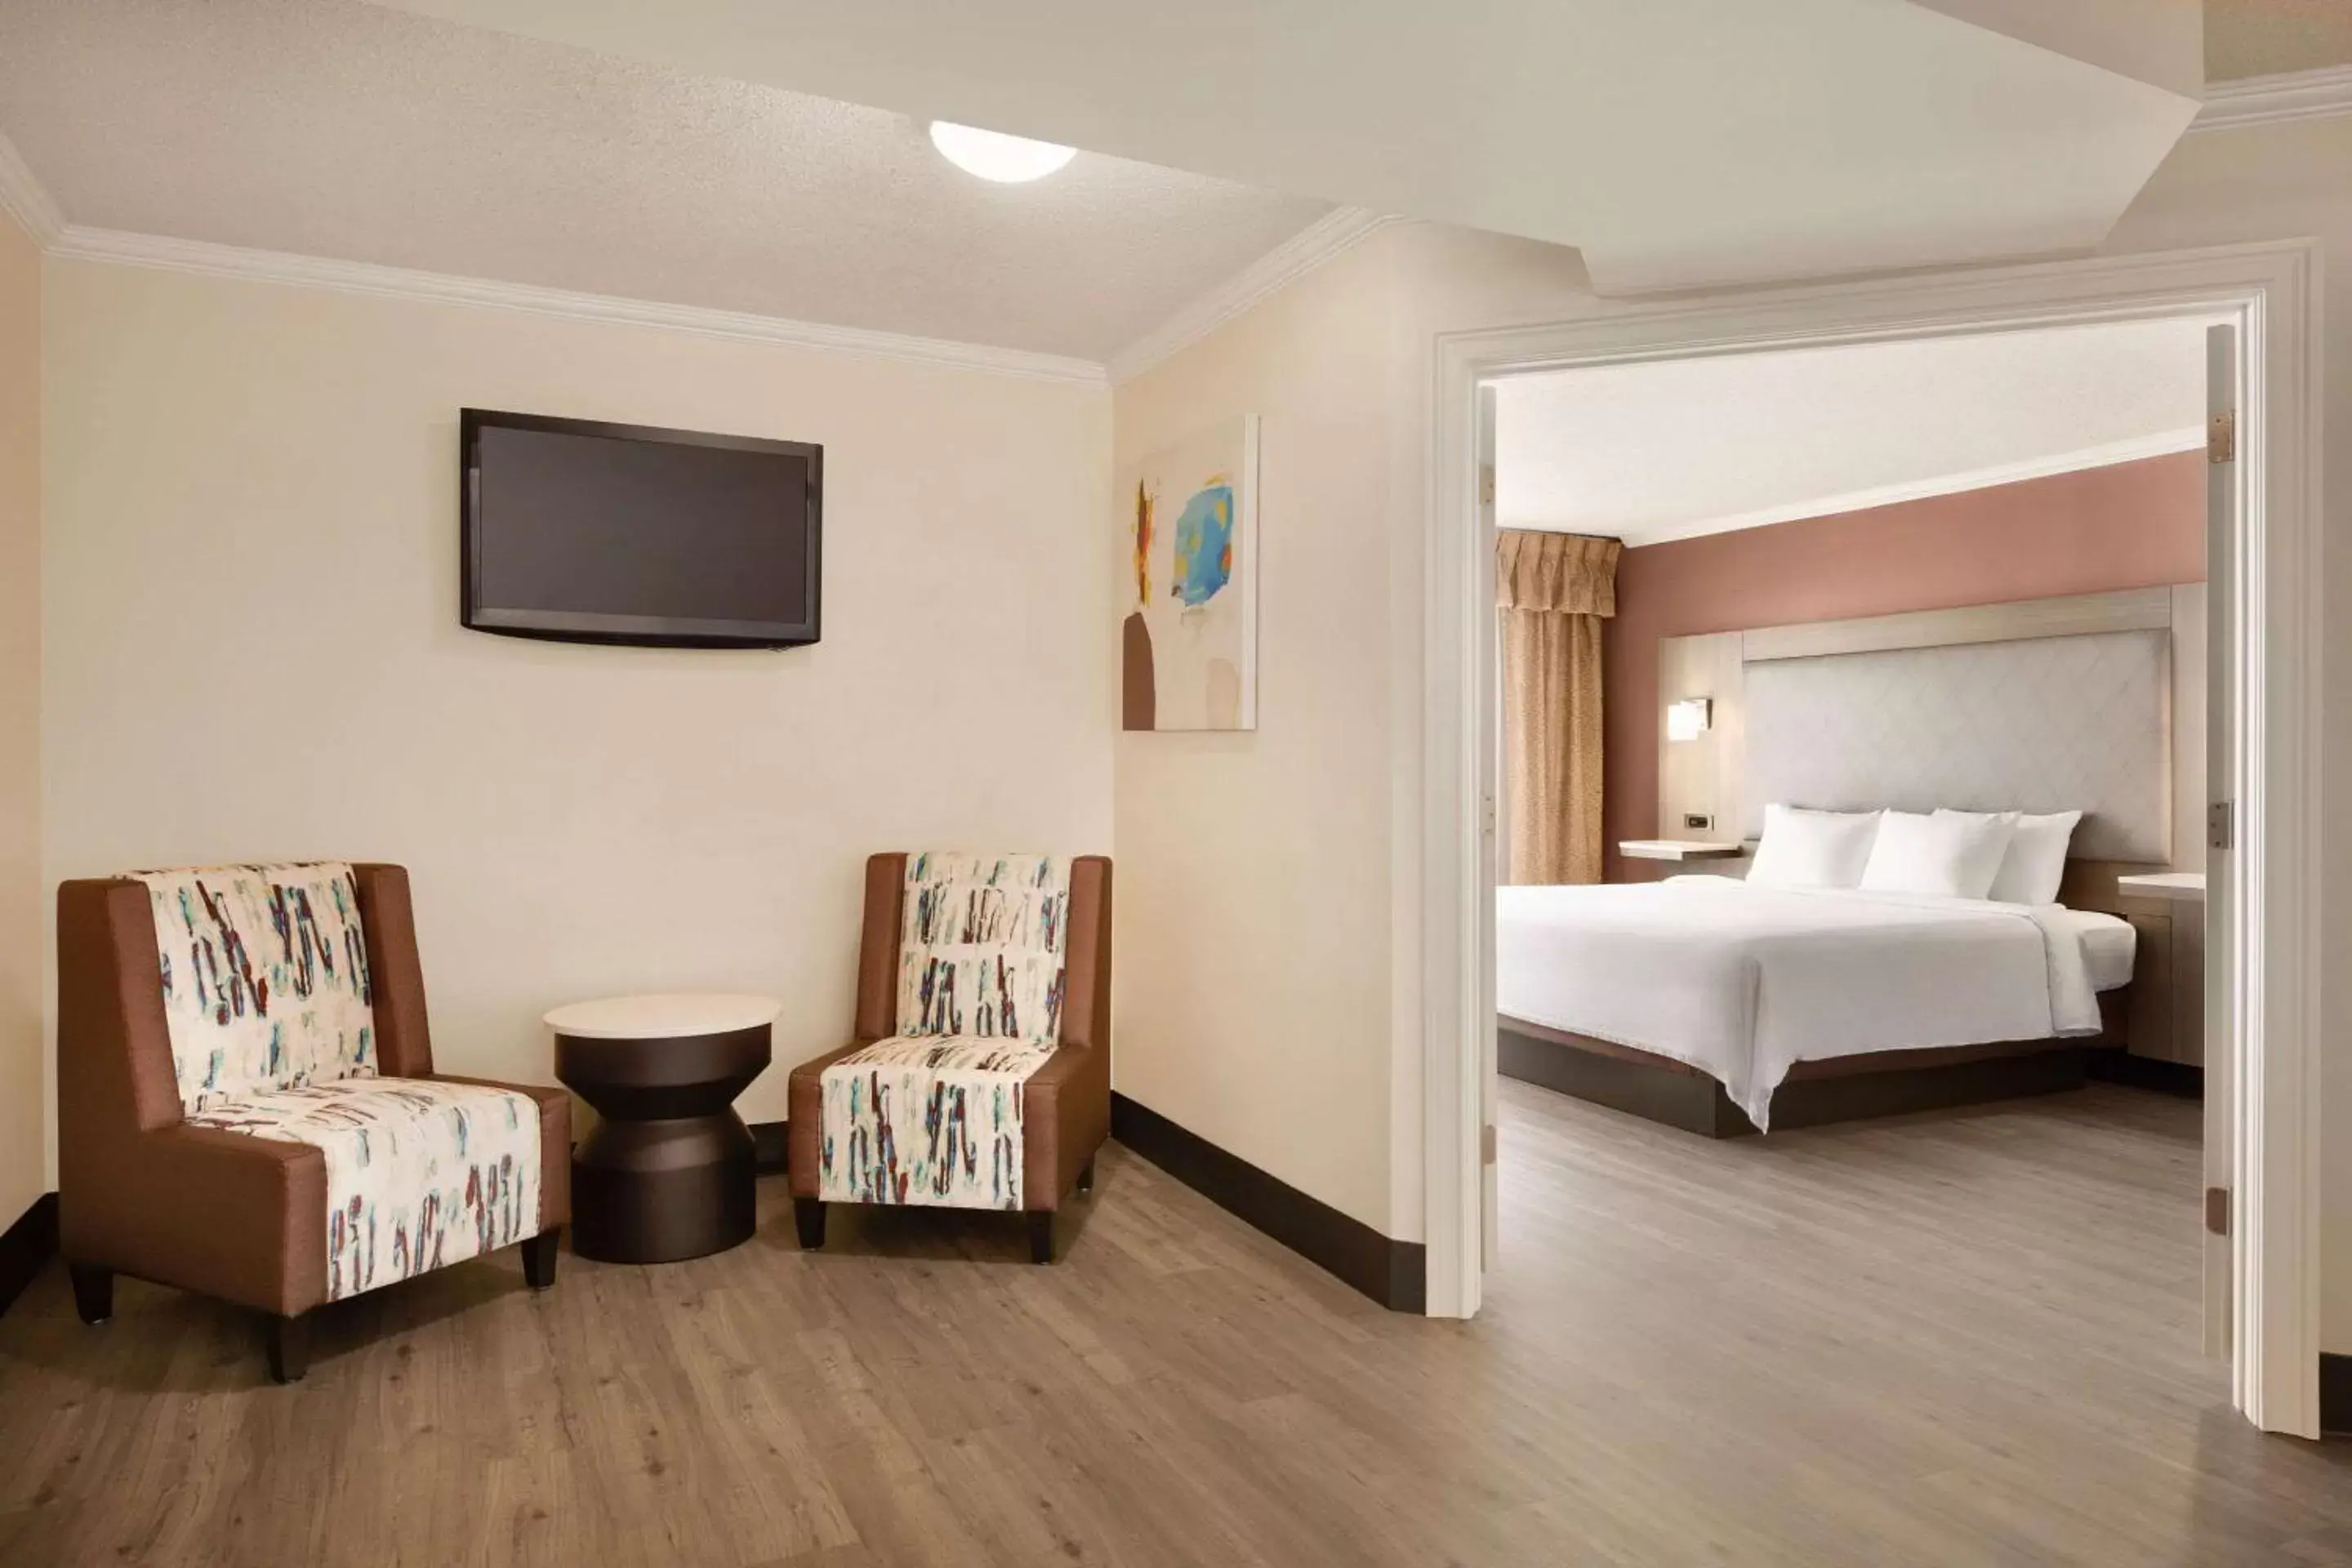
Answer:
[(804, 1120), (224, 1214), (1065, 1118)]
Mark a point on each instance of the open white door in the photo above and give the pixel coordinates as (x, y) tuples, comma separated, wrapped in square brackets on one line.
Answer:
[(1489, 1199), (2221, 794)]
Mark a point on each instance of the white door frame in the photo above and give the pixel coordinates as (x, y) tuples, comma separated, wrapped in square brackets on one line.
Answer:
[(2271, 290)]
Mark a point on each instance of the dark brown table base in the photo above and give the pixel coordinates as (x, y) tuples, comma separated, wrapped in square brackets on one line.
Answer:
[(670, 1171)]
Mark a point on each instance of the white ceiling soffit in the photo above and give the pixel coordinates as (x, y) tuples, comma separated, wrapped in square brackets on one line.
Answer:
[(1676, 142), (1675, 449), (377, 140)]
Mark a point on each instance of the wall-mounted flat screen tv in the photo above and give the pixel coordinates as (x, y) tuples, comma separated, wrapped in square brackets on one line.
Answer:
[(617, 533)]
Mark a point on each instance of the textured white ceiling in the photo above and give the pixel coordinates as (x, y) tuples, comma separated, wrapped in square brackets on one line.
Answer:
[(2266, 37), (1653, 452), (1675, 142), (343, 130)]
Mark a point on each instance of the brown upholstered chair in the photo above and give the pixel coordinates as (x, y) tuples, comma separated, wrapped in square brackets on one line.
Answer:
[(247, 1104), (979, 1076)]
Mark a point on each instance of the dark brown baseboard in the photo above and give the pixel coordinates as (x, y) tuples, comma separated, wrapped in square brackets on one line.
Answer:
[(27, 1246), (768, 1146), (2335, 1394), (1696, 1103), (2146, 1072), (1393, 1273)]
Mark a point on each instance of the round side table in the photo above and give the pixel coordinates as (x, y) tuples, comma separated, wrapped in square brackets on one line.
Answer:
[(668, 1172)]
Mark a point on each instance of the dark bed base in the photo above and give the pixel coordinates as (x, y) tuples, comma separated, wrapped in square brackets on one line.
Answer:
[(1665, 1091)]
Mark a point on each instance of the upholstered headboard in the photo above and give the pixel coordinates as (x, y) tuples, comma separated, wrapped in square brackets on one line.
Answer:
[(2040, 725), (2092, 703)]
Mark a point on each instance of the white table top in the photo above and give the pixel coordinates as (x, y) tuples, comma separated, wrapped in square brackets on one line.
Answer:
[(1680, 849), (2163, 885), (655, 1018)]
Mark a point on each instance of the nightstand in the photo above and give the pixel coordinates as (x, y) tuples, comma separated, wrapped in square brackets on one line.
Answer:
[(2172, 886), (1679, 849), (2167, 1020)]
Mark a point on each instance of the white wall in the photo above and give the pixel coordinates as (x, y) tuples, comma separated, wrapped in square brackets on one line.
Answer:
[(23, 1163), (252, 646), (2269, 181)]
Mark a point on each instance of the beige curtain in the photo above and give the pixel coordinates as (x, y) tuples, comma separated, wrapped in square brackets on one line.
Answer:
[(1552, 592)]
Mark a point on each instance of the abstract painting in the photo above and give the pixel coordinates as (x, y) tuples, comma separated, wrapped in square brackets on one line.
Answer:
[(1188, 648)]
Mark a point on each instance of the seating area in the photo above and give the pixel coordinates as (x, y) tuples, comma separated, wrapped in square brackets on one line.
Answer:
[(249, 1110)]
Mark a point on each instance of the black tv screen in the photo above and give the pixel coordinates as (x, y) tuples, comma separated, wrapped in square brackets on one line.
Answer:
[(618, 533)]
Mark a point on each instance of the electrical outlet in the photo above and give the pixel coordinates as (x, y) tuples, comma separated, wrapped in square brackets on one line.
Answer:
[(1697, 822)]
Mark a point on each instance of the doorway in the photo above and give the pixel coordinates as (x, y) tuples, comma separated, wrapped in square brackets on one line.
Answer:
[(2265, 593)]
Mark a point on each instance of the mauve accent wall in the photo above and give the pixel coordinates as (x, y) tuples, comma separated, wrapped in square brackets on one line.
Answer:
[(2130, 525)]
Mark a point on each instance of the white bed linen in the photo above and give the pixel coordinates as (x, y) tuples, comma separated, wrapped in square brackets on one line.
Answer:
[(2109, 945), (1743, 982)]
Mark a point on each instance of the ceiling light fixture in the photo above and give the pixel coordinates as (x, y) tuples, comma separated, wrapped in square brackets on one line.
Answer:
[(993, 155)]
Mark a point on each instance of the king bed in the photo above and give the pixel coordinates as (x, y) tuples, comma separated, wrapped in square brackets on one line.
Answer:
[(1724, 1008), (1936, 809)]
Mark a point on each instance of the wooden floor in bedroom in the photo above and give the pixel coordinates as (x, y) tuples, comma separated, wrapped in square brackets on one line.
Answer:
[(1965, 1338)]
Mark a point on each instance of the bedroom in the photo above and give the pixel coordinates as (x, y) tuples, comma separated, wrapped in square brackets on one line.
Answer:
[(1855, 789)]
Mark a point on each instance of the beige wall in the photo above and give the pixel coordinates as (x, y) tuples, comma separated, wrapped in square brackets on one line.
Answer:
[(1268, 913), (23, 1161), (253, 650), (2281, 182), (1254, 879), (1410, 283)]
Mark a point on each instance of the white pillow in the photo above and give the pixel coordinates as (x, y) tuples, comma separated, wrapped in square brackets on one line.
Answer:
[(1813, 848), (2036, 861), (1955, 854)]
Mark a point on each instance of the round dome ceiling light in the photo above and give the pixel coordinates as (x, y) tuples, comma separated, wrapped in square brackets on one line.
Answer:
[(993, 155)]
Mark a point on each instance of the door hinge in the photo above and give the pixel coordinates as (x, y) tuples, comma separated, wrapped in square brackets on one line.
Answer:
[(1486, 484), (2220, 825), (1486, 1145), (2222, 438), (1486, 813), (2217, 1210)]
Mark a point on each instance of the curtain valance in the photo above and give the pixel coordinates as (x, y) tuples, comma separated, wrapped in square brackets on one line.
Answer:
[(1573, 573)]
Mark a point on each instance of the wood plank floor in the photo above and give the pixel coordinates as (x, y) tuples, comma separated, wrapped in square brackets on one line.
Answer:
[(1970, 1338)]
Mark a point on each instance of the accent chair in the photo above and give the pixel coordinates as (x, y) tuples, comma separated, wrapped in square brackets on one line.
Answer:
[(248, 1106), (979, 1073)]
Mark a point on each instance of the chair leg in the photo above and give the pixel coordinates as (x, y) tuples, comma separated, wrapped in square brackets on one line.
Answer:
[(538, 1258), (1041, 1235), (1087, 1175), (808, 1218), (93, 1290), (287, 1340)]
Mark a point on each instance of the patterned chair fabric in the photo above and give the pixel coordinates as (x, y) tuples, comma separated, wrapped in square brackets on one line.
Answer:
[(265, 977), (420, 1173), (268, 1003), (932, 1115), (982, 949)]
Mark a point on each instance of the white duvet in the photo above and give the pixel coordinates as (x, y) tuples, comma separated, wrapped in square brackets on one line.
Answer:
[(1743, 982)]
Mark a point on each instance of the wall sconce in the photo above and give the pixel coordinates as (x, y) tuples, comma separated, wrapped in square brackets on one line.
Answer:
[(1689, 719)]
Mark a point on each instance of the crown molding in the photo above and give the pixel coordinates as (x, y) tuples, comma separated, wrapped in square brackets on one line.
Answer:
[(2132, 450), (114, 245), (2322, 94), (1323, 240), (26, 199)]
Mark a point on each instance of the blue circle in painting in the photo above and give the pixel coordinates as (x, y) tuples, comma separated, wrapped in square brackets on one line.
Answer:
[(1203, 545)]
